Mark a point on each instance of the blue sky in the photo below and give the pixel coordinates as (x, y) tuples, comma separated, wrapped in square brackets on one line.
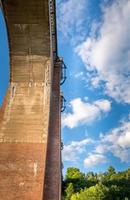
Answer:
[(96, 49), (4, 59)]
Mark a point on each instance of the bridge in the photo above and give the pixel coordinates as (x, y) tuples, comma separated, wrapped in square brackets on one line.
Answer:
[(30, 141)]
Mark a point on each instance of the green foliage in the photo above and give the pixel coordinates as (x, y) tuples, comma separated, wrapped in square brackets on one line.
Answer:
[(99, 191), (74, 173), (75, 177), (111, 171), (91, 179), (69, 191), (110, 185)]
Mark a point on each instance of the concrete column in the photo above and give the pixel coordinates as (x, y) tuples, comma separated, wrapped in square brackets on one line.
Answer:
[(52, 184)]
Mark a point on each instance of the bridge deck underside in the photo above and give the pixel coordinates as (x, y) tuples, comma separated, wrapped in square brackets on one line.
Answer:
[(25, 112)]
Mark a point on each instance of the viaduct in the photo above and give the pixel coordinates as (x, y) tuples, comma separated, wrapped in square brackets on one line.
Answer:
[(30, 142)]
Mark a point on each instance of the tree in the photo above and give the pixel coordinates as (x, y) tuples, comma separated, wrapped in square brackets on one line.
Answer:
[(99, 191), (111, 170), (69, 191), (75, 196), (110, 185), (74, 173)]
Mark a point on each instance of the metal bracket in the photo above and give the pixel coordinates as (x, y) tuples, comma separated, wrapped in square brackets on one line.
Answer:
[(63, 71), (63, 102), (62, 146)]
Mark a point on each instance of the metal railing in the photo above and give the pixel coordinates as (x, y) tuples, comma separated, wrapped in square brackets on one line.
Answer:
[(53, 30)]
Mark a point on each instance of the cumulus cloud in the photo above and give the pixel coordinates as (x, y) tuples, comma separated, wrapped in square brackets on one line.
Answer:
[(94, 160), (107, 51), (71, 16), (117, 142), (72, 151), (84, 112)]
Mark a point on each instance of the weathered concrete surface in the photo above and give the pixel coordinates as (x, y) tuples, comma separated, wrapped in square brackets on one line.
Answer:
[(21, 171), (25, 113), (24, 116), (53, 161)]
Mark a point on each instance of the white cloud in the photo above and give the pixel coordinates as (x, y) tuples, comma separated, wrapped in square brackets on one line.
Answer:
[(72, 151), (104, 105), (120, 135), (117, 142), (84, 112), (71, 16), (79, 75), (94, 160), (108, 52)]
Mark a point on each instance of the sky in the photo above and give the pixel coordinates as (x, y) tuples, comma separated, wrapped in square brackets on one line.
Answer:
[(94, 40), (4, 59)]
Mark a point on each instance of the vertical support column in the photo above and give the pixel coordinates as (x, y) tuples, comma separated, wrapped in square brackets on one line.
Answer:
[(52, 184)]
